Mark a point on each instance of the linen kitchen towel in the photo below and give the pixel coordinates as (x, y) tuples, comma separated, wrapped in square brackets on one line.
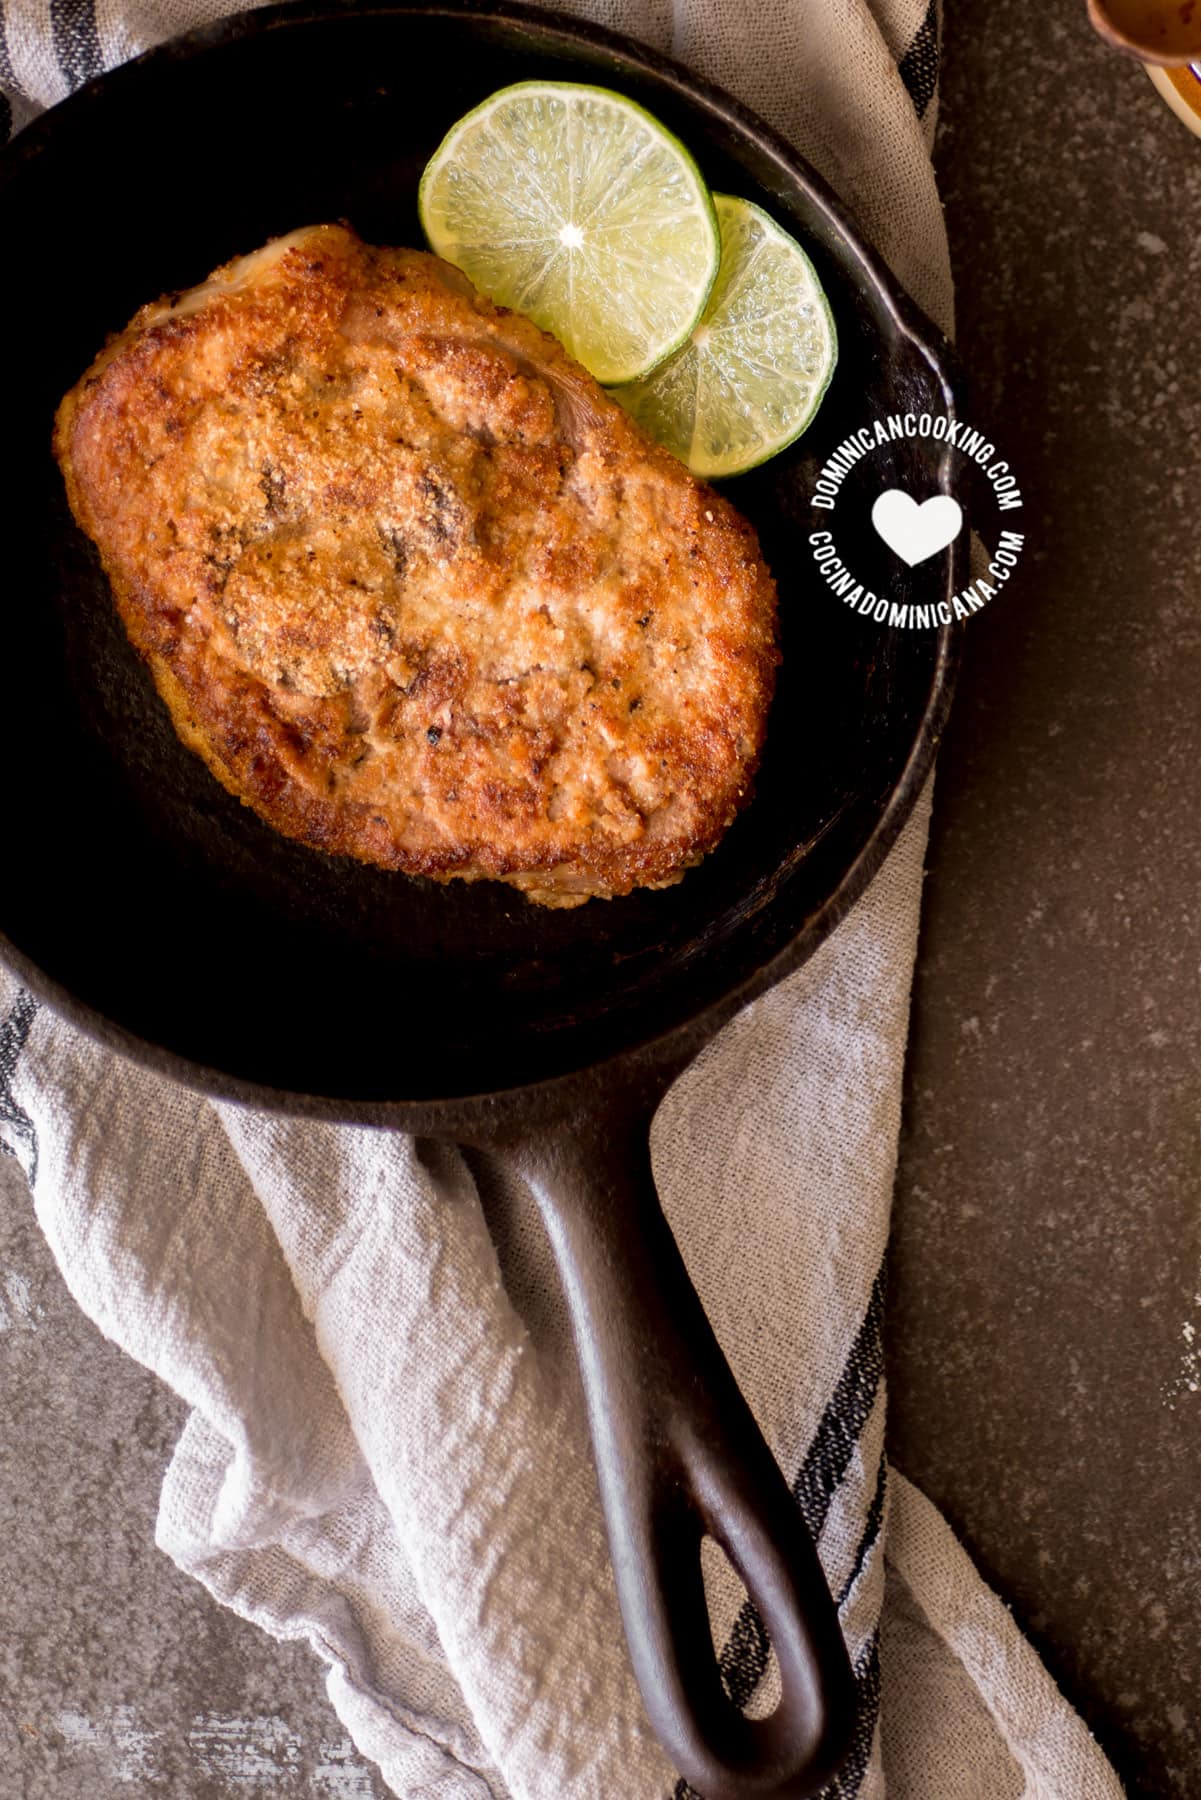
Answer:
[(386, 1453)]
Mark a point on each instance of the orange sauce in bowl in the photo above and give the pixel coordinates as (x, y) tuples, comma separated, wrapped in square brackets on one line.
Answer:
[(1167, 29)]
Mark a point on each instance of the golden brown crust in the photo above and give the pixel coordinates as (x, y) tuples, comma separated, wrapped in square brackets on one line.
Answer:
[(416, 589)]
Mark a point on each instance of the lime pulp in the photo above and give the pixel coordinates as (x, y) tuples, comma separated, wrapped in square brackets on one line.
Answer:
[(754, 369), (573, 205)]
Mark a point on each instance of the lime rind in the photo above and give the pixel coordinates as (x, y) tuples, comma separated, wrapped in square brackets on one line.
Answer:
[(575, 206), (755, 369)]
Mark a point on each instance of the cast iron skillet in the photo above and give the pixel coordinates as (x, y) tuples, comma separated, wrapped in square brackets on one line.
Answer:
[(150, 908)]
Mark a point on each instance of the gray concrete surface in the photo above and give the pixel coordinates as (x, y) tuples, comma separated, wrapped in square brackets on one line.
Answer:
[(1045, 1312), (117, 1673), (1047, 1252)]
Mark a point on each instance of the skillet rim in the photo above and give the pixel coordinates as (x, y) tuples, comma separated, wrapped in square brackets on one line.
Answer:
[(652, 1060)]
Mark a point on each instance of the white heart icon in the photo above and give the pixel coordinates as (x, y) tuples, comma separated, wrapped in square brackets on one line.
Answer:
[(916, 532)]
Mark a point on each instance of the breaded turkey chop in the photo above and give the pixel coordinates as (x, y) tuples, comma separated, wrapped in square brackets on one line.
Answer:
[(415, 588)]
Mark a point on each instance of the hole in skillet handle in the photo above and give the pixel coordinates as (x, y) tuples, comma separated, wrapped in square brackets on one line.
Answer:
[(750, 1672)]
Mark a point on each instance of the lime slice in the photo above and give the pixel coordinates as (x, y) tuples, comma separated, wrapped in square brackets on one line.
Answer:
[(753, 372), (576, 207)]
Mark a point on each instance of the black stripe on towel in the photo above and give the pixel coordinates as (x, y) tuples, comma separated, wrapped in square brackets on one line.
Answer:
[(744, 1659), (745, 1656), (76, 40), (6, 119), (13, 1034), (842, 1423), (919, 65), (849, 1779), (871, 1531)]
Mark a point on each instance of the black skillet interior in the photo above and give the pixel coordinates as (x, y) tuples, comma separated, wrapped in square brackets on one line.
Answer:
[(138, 886)]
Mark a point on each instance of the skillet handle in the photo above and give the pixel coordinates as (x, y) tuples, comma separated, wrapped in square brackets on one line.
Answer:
[(678, 1454)]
